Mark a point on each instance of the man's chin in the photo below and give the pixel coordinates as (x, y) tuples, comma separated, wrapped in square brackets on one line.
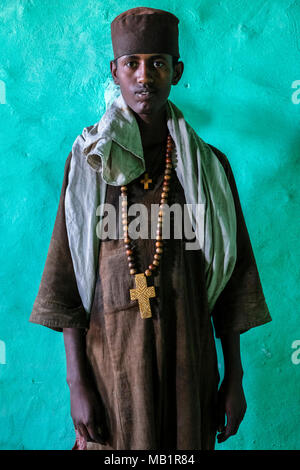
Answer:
[(146, 107), (149, 109), (144, 110)]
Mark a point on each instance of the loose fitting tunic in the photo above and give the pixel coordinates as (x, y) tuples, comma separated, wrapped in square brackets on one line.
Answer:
[(157, 377)]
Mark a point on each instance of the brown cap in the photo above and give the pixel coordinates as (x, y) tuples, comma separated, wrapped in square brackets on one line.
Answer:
[(145, 31)]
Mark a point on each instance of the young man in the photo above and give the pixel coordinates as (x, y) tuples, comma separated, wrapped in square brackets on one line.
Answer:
[(136, 312)]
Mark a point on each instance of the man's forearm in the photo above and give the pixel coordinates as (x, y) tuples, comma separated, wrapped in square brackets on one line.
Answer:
[(75, 347), (232, 355)]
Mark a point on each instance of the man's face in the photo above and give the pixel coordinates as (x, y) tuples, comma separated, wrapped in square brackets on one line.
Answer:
[(145, 80)]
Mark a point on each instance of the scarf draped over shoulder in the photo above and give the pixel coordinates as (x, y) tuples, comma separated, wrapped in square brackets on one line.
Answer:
[(111, 152)]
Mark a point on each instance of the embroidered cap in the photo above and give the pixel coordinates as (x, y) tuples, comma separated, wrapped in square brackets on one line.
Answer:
[(145, 31)]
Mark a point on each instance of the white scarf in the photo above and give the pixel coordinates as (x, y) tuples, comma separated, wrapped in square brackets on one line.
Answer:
[(111, 152)]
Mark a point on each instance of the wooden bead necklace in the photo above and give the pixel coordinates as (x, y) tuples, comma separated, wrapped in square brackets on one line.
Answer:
[(142, 293)]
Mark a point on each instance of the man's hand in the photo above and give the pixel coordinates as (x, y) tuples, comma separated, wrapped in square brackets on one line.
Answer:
[(87, 409), (232, 403), (87, 412)]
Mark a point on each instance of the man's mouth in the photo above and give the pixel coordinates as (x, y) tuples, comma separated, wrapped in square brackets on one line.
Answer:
[(145, 93)]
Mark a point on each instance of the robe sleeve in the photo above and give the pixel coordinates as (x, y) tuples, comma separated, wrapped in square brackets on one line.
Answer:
[(241, 305), (58, 304)]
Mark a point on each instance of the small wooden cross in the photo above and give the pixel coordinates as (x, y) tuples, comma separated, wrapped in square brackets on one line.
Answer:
[(146, 181), (142, 293)]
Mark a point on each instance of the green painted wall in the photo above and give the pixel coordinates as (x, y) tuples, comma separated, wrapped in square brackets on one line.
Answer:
[(241, 92)]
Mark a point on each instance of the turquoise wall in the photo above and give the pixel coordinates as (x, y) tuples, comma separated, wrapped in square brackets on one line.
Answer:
[(241, 92)]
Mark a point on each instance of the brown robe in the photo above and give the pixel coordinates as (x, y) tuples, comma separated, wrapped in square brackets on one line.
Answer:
[(157, 378)]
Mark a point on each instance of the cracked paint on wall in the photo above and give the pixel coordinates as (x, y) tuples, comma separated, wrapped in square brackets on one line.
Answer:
[(240, 91)]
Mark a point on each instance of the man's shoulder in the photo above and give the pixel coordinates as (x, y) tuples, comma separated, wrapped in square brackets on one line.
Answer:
[(85, 141), (89, 128), (221, 157)]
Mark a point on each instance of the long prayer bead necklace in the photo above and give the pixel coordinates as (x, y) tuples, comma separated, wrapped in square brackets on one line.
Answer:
[(142, 293)]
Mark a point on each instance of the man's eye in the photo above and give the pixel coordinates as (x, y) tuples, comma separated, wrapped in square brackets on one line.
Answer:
[(131, 64), (158, 64)]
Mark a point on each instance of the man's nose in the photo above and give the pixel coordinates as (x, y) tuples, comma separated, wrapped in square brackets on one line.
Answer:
[(144, 74)]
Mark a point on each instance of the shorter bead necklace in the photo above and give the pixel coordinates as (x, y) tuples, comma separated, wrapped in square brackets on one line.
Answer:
[(142, 293)]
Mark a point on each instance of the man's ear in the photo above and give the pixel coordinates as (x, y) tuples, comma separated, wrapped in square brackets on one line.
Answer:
[(177, 73), (114, 72)]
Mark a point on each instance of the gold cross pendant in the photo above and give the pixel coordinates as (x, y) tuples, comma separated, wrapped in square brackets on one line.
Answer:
[(146, 181), (142, 293)]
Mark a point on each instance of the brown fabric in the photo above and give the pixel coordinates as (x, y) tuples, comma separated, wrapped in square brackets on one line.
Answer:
[(158, 378), (242, 304), (58, 303), (148, 371), (145, 31)]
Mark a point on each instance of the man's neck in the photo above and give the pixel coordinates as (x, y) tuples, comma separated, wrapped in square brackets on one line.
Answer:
[(153, 128)]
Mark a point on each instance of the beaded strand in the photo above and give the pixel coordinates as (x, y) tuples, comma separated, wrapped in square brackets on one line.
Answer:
[(152, 268)]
